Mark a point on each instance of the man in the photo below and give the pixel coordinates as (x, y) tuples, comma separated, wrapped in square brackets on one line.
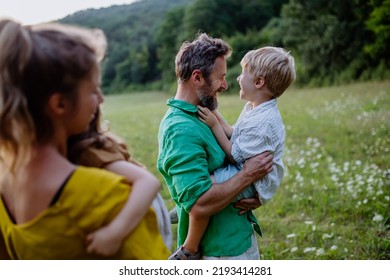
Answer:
[(188, 153)]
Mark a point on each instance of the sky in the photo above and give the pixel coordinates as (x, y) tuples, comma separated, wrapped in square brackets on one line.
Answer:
[(38, 11)]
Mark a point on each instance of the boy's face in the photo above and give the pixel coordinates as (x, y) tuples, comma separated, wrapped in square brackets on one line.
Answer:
[(247, 86)]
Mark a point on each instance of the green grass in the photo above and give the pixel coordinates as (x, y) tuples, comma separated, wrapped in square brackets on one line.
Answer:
[(334, 200)]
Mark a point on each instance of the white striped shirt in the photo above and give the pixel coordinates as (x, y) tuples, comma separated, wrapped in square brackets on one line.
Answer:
[(258, 130)]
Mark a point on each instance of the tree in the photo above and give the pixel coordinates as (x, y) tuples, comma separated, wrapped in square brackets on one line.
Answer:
[(168, 40), (224, 18), (326, 36), (379, 23)]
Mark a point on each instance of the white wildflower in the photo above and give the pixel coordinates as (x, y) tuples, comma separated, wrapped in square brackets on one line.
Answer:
[(326, 236), (291, 235), (320, 252), (377, 218), (294, 249), (309, 249), (333, 248)]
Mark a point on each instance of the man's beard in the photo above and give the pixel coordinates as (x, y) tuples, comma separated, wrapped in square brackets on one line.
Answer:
[(207, 99)]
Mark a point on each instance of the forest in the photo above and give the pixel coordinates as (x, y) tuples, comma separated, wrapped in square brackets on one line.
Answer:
[(333, 42)]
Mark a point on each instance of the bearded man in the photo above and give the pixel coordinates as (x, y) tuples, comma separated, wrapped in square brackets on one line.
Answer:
[(189, 153)]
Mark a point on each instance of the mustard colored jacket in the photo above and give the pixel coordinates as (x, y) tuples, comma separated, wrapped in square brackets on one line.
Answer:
[(90, 199)]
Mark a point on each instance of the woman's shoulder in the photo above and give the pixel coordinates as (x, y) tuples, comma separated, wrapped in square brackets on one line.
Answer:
[(91, 184), (93, 176), (93, 188)]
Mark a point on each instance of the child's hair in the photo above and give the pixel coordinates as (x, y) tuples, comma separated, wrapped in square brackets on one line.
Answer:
[(200, 54), (92, 137), (36, 62), (275, 65), (97, 138)]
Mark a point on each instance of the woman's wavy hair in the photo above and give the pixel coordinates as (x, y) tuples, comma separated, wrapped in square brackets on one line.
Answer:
[(36, 62)]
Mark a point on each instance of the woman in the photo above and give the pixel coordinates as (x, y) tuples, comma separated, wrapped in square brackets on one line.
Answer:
[(49, 91)]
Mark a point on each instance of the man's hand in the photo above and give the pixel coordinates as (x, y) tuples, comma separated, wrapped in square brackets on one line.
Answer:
[(258, 166)]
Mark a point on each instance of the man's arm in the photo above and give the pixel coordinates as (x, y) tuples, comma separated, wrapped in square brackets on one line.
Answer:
[(220, 195)]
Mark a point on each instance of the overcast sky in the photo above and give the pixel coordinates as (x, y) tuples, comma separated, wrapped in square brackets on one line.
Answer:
[(37, 11)]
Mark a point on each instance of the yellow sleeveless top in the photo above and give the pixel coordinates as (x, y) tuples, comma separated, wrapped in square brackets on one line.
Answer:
[(90, 199)]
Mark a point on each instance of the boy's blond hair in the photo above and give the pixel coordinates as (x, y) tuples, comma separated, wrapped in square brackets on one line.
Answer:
[(275, 65)]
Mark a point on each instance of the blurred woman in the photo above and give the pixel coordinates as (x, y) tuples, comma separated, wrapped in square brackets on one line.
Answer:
[(49, 91)]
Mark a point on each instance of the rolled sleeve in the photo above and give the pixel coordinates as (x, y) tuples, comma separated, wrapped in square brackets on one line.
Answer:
[(186, 166)]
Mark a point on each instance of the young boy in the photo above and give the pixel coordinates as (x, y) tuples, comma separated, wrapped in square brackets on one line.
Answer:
[(266, 73)]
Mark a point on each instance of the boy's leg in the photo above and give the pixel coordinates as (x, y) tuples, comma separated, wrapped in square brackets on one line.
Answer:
[(190, 249)]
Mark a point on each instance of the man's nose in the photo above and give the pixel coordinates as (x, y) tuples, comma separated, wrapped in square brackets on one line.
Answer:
[(224, 85)]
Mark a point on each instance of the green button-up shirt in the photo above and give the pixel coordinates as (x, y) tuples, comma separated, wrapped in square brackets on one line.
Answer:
[(188, 153)]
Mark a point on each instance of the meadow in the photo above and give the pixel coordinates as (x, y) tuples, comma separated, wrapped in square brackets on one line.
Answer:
[(334, 202)]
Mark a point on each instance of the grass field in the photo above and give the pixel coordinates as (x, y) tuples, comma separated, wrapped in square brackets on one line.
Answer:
[(334, 200)]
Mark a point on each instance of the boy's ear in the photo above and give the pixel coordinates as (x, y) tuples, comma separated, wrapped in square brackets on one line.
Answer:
[(57, 104), (260, 82)]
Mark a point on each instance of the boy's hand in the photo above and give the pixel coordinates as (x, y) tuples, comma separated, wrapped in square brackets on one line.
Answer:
[(206, 116), (247, 204)]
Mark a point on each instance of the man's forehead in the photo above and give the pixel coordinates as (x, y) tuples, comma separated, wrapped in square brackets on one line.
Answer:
[(220, 67)]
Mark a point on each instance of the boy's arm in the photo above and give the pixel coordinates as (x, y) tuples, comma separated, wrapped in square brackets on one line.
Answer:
[(228, 129), (145, 186), (213, 121)]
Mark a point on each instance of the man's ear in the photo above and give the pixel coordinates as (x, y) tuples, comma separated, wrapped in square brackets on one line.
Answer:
[(197, 77), (57, 105), (260, 82)]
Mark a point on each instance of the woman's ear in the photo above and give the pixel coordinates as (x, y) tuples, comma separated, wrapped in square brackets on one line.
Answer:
[(57, 105)]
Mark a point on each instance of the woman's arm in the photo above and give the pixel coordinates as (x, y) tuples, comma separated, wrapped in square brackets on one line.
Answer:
[(145, 186)]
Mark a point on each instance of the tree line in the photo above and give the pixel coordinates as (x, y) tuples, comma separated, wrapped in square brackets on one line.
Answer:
[(333, 41)]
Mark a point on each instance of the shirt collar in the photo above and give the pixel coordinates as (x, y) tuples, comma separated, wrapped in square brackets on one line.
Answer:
[(262, 107), (182, 105)]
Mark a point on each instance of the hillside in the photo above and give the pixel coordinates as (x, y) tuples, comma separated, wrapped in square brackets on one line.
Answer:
[(333, 42), (130, 31)]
